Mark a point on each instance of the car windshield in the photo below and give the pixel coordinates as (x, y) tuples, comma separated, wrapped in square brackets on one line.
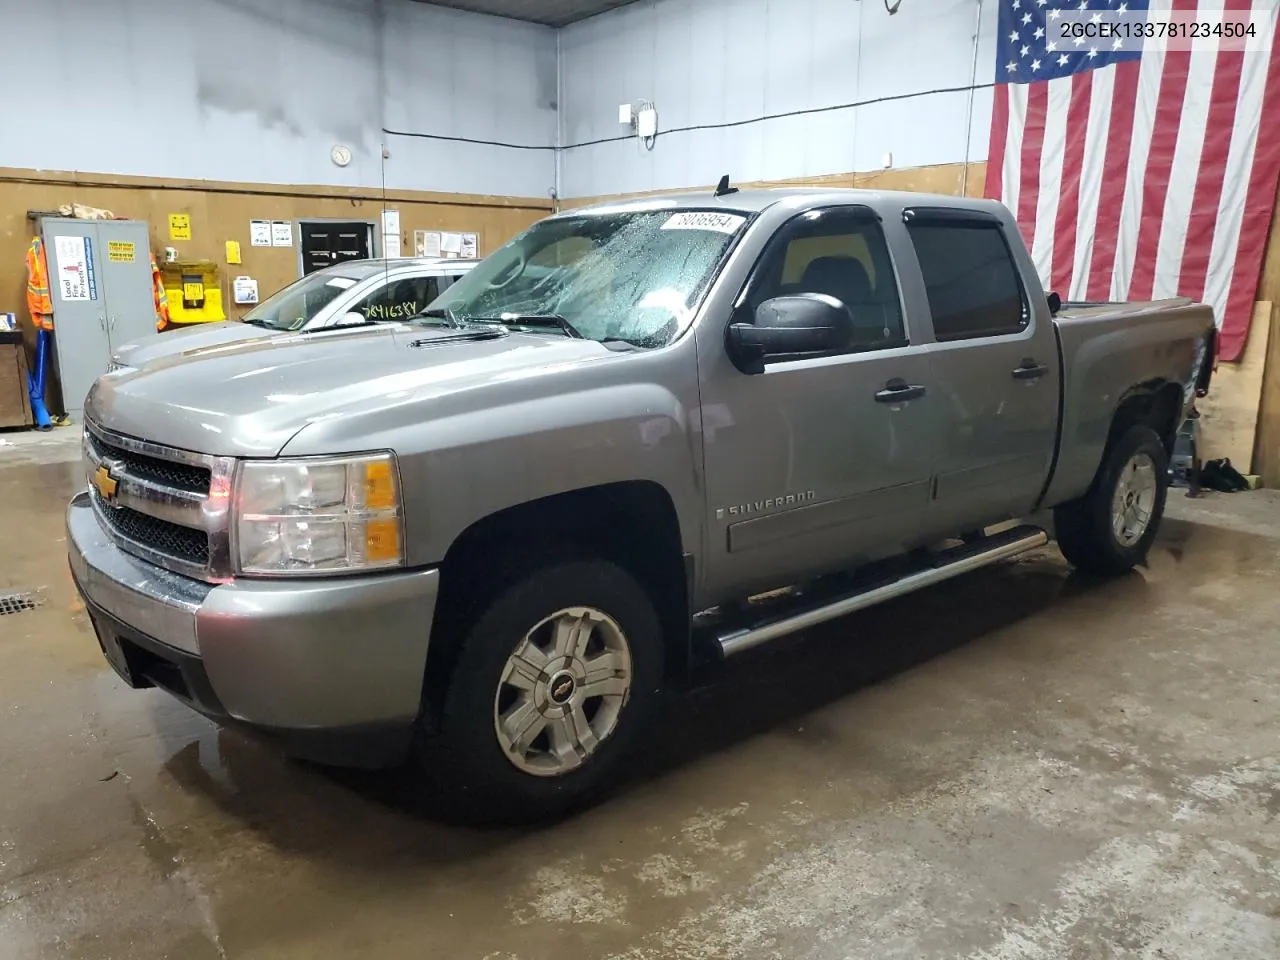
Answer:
[(632, 276), (294, 306)]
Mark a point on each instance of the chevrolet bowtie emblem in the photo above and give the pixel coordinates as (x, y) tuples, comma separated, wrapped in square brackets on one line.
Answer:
[(105, 483)]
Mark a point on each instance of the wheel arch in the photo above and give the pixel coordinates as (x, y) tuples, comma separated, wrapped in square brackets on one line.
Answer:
[(633, 524), (1156, 404)]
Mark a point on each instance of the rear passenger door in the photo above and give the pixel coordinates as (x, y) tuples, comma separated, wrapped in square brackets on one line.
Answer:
[(814, 465), (994, 369)]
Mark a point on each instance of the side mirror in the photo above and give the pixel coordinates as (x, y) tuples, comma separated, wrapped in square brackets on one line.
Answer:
[(352, 318), (1055, 304), (800, 324)]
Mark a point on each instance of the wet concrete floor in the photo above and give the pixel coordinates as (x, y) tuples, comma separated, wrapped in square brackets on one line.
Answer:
[(1017, 764)]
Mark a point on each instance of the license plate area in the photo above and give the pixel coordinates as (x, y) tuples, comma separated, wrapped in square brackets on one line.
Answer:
[(117, 651)]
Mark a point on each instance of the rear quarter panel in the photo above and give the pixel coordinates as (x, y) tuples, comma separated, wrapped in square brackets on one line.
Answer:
[(1109, 353)]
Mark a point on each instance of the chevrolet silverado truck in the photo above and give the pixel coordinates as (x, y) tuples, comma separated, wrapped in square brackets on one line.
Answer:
[(356, 293), (638, 438)]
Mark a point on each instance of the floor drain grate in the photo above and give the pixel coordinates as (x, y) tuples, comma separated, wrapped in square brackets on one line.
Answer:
[(17, 603)]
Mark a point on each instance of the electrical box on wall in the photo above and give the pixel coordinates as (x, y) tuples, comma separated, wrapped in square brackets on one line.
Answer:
[(647, 122), (625, 114)]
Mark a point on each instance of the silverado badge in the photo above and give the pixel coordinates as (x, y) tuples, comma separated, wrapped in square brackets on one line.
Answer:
[(104, 482)]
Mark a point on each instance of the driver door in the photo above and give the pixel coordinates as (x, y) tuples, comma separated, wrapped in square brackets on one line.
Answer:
[(811, 466)]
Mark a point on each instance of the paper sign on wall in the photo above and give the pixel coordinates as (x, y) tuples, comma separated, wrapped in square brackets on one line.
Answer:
[(244, 290), (260, 233), (426, 243), (179, 226), (281, 233), (391, 233), (233, 251), (451, 244), (73, 257), (121, 251), (470, 245)]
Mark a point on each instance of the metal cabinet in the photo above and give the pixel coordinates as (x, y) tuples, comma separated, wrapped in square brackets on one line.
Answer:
[(100, 285)]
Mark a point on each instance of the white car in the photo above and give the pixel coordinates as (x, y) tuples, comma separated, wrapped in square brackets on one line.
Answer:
[(356, 293)]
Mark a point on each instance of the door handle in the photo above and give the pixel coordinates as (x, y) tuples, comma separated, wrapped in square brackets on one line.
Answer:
[(1030, 370), (898, 390), (111, 322)]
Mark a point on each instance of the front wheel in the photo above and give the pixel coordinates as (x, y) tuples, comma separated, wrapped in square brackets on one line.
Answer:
[(554, 682), (1110, 529)]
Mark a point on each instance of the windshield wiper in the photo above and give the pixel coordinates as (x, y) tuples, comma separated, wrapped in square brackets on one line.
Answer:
[(533, 320), (441, 313), (257, 322)]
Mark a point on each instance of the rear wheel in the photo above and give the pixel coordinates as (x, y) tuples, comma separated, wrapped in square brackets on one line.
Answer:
[(1110, 529), (555, 680)]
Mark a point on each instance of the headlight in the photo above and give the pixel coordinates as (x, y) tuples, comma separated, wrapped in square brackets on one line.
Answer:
[(332, 515)]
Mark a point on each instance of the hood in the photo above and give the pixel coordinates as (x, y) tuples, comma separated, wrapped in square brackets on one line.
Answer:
[(249, 397), (138, 353), (186, 342)]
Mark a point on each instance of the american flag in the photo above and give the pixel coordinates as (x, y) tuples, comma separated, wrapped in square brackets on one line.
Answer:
[(1138, 175)]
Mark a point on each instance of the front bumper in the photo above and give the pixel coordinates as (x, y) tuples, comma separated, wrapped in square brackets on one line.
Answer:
[(333, 667)]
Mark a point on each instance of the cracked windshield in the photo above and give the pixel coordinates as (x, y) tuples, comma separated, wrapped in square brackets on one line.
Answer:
[(625, 277)]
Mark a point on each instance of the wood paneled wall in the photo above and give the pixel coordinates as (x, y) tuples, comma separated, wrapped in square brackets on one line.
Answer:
[(222, 211)]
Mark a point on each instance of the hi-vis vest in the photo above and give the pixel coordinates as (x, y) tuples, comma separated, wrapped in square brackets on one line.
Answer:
[(161, 297), (38, 302)]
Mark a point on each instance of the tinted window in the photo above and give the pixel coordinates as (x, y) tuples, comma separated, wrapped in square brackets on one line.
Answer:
[(840, 252), (969, 273)]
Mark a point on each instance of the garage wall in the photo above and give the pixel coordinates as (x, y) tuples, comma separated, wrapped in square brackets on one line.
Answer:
[(260, 90), (717, 62)]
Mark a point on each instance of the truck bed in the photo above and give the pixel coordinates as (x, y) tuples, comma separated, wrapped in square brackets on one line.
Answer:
[(1106, 349)]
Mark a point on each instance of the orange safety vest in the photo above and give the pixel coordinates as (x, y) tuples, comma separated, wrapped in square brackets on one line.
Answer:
[(161, 297), (38, 303)]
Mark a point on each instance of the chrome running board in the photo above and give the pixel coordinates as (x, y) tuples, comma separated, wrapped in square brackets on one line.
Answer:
[(952, 563)]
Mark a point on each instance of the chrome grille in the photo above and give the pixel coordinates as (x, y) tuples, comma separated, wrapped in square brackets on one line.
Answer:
[(166, 505), (184, 476), (182, 543)]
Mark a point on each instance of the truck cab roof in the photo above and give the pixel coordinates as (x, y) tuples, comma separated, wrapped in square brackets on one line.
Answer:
[(753, 201)]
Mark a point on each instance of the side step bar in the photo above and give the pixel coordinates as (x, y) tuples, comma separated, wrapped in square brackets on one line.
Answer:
[(952, 563)]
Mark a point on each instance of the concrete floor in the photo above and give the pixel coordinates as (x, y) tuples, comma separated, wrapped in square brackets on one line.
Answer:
[(1013, 765)]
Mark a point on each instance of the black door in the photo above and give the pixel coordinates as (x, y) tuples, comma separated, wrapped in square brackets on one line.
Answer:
[(327, 243)]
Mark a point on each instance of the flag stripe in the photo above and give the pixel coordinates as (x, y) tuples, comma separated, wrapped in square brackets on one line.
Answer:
[(1257, 215), (1097, 128), (1051, 156), (1160, 157), (1223, 259), (1144, 120), (1012, 179), (1202, 218), (1111, 190), (995, 151), (1077, 127), (1188, 149), (1032, 142)]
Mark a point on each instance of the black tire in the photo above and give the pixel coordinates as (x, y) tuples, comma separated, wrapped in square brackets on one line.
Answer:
[(462, 757), (1084, 526)]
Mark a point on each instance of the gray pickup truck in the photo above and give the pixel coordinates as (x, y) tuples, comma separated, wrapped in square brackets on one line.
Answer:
[(491, 540)]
